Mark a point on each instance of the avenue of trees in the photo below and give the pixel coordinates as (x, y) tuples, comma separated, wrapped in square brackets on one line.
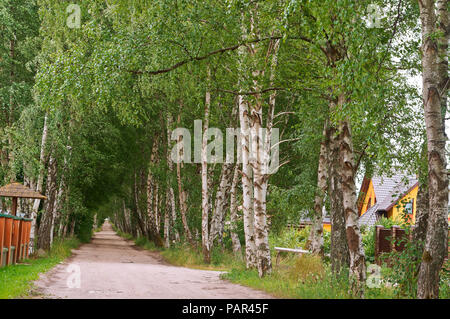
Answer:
[(92, 91)]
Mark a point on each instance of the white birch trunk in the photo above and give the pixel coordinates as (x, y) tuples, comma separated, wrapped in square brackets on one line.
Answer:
[(157, 205), (247, 209), (48, 216), (182, 195), (434, 17), (221, 202), (354, 238), (151, 201), (170, 192), (205, 196), (39, 185), (233, 213), (263, 259), (315, 241)]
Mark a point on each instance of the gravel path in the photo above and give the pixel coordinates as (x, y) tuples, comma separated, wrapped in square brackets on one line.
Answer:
[(111, 267)]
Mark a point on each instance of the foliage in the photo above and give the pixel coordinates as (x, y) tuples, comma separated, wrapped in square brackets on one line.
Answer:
[(388, 222), (326, 242), (84, 228), (402, 269), (368, 238), (290, 237)]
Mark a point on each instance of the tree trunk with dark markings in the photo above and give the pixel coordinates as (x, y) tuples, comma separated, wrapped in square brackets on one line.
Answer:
[(435, 20)]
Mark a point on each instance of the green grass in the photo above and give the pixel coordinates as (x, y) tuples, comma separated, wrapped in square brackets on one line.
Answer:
[(186, 256), (16, 280), (125, 235), (305, 277)]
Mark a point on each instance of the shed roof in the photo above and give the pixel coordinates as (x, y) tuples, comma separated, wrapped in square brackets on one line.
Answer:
[(18, 190)]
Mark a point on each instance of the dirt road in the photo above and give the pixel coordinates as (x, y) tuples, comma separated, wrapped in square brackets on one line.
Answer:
[(110, 267)]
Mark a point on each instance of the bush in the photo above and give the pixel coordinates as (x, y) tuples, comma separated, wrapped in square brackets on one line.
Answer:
[(326, 242), (290, 238), (84, 228), (402, 271), (368, 238), (388, 223)]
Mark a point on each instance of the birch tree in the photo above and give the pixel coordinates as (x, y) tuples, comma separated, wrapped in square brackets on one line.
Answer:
[(315, 240), (206, 245), (434, 18)]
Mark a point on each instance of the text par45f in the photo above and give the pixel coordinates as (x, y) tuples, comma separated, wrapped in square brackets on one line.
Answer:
[(230, 308)]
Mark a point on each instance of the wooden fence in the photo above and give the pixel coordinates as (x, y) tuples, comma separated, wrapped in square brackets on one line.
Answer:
[(14, 239), (390, 239)]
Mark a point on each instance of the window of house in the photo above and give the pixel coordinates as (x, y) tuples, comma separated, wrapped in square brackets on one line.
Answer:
[(409, 207)]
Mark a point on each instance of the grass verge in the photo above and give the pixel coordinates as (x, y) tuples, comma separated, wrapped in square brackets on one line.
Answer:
[(305, 277), (16, 280)]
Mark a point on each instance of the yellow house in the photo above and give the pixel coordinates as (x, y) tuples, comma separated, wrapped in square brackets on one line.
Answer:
[(382, 196), (392, 197)]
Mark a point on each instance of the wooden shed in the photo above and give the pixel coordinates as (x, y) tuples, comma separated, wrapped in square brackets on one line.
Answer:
[(15, 231), (16, 190)]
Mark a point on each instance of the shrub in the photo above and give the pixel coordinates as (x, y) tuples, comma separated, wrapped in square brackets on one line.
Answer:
[(388, 223), (402, 271), (326, 242), (84, 228), (368, 238), (290, 238)]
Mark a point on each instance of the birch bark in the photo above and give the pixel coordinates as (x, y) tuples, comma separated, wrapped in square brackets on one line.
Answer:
[(339, 254), (40, 183), (233, 213), (247, 189), (434, 17), (221, 202), (354, 239), (205, 197), (46, 225), (151, 212), (182, 195), (315, 241)]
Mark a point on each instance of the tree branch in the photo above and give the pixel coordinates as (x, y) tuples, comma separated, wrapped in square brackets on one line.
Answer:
[(252, 93), (215, 52)]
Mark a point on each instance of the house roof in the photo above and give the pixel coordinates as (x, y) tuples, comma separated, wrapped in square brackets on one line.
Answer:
[(18, 190), (388, 190), (369, 217)]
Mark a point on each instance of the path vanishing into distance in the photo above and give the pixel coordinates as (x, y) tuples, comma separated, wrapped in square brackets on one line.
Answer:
[(111, 267)]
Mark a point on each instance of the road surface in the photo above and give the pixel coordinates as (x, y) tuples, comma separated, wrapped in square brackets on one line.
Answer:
[(111, 267)]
